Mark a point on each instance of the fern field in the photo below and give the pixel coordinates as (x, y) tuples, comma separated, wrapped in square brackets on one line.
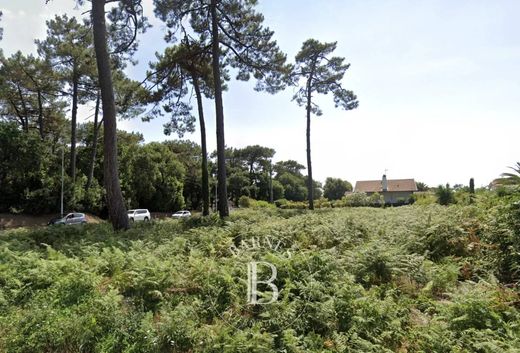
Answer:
[(407, 279)]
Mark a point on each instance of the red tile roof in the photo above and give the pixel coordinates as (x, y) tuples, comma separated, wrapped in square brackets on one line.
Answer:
[(393, 185)]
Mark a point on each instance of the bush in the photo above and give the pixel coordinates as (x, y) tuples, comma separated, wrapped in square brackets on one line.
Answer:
[(281, 202), (505, 237), (247, 202), (356, 199), (295, 205), (322, 203), (244, 201), (376, 200), (424, 198), (445, 195)]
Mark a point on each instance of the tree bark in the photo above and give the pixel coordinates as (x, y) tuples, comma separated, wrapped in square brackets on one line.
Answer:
[(204, 166), (115, 203), (25, 122), (40, 115), (94, 143), (310, 188), (73, 123), (219, 110)]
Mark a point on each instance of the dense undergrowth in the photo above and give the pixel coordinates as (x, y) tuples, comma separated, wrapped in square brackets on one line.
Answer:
[(408, 279)]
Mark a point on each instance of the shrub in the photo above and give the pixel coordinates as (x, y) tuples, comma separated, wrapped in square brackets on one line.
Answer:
[(244, 201), (356, 199), (247, 202), (505, 236), (262, 204), (294, 205), (322, 203), (376, 200), (445, 195), (424, 198), (280, 202)]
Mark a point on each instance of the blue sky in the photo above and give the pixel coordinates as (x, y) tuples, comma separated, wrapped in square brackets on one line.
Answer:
[(438, 84)]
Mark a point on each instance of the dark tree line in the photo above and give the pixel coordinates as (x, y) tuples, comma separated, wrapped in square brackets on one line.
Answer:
[(163, 177)]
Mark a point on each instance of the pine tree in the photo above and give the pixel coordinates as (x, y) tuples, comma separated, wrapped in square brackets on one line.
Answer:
[(235, 34), (29, 93), (116, 206), (126, 21), (178, 68), (69, 49), (316, 72), (471, 186)]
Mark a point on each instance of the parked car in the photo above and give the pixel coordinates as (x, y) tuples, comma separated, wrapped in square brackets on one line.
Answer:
[(182, 214), (139, 215), (69, 219)]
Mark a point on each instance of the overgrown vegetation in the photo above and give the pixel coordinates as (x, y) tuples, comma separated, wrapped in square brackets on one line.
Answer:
[(406, 279)]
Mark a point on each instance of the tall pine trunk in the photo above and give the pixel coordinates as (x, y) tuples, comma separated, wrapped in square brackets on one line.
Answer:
[(310, 188), (40, 115), (115, 203), (204, 166), (73, 127), (223, 209), (94, 143)]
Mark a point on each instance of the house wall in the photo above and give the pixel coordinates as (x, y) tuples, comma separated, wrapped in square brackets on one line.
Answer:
[(392, 197)]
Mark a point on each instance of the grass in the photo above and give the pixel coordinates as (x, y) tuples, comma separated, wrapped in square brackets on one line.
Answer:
[(407, 279)]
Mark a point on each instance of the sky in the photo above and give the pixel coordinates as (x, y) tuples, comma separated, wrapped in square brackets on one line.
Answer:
[(438, 84)]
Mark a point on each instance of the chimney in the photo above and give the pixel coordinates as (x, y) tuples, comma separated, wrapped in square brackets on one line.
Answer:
[(384, 183)]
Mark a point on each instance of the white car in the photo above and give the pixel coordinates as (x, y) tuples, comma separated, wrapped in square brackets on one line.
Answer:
[(139, 215), (181, 214)]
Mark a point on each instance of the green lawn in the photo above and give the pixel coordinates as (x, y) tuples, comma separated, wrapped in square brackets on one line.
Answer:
[(407, 279)]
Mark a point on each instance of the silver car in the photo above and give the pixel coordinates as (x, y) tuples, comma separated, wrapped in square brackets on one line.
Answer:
[(182, 214), (139, 215), (70, 219)]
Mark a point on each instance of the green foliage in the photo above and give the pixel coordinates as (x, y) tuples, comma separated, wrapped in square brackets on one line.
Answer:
[(294, 186), (356, 199), (335, 188), (421, 186), (322, 74), (246, 202), (424, 198), (376, 200), (157, 178), (322, 203), (358, 280), (30, 95), (315, 71), (505, 237), (291, 205), (511, 178), (27, 179), (445, 195)]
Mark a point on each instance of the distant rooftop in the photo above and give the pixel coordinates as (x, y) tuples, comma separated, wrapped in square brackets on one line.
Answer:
[(393, 185)]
